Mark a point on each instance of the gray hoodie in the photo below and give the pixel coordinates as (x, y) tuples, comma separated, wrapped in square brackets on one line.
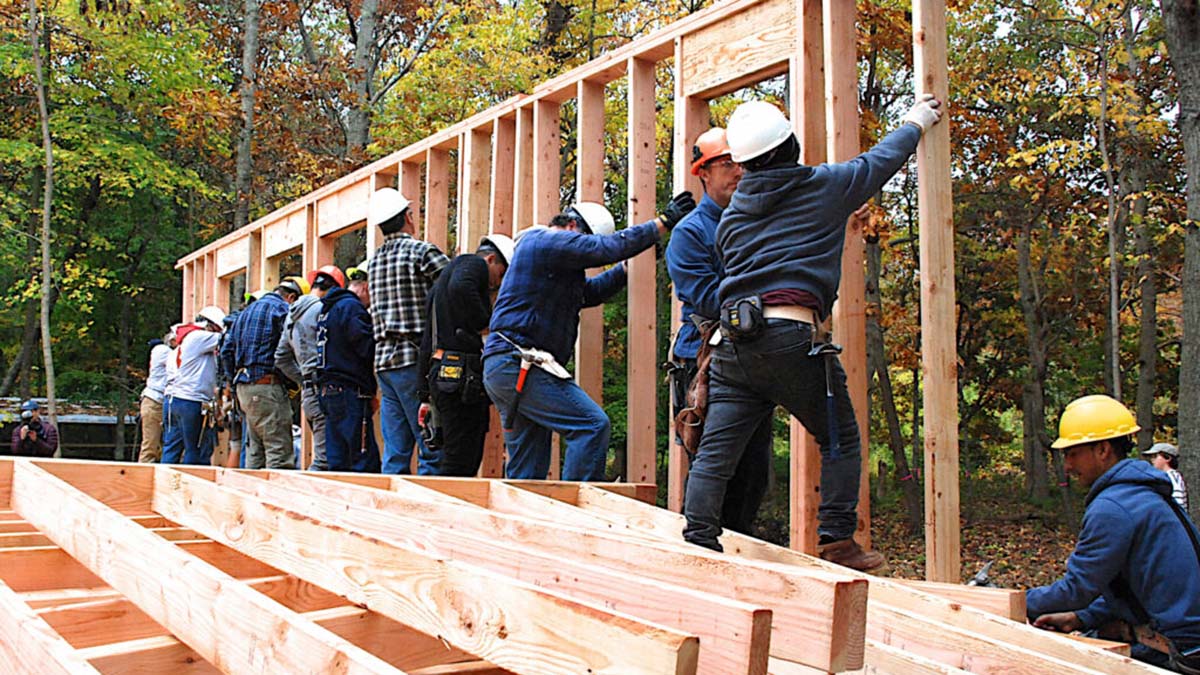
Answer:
[(296, 355)]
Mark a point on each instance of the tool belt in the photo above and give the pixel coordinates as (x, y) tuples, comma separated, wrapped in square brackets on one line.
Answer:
[(689, 420), (269, 378), (458, 373), (744, 319)]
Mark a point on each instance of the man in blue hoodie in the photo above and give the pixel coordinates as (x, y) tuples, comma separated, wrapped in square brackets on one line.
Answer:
[(346, 378), (1137, 560), (696, 273), (780, 242)]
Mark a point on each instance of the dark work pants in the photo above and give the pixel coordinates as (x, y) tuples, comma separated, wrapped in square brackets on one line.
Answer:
[(746, 382), (347, 422), (745, 492), (464, 426)]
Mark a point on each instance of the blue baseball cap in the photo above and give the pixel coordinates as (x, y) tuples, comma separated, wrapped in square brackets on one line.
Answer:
[(30, 405)]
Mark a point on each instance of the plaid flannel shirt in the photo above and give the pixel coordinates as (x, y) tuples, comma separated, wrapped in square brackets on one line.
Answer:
[(248, 351), (401, 272), (546, 285)]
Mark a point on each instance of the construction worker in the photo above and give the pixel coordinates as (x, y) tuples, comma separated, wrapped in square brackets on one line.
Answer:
[(151, 405), (248, 357), (696, 272), (1165, 458), (346, 379), (191, 395), (1135, 571), (296, 355), (34, 436), (536, 321), (780, 241), (402, 271), (451, 361)]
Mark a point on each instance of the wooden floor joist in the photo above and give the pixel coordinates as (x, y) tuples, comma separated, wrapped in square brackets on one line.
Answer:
[(296, 572), (540, 632)]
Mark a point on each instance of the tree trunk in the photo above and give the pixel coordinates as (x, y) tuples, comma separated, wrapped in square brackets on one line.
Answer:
[(358, 126), (1182, 19), (878, 364), (1033, 399), (244, 183), (18, 370), (1115, 238), (126, 336), (47, 202)]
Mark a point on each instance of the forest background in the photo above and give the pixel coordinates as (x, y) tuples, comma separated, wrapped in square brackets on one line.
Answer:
[(173, 122)]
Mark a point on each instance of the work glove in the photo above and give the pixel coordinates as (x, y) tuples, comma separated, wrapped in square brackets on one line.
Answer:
[(925, 112), (680, 206)]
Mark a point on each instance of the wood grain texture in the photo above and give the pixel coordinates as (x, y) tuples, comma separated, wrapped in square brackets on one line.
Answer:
[(504, 155), (589, 187), (1004, 602), (508, 623), (437, 197), (547, 178), (939, 358), (179, 591), (744, 47), (523, 171), (734, 635), (29, 645), (148, 656), (410, 187), (806, 76), (930, 611), (642, 330), (818, 618), (474, 193)]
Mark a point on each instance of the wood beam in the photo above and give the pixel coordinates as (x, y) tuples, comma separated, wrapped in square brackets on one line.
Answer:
[(691, 120), (546, 161), (437, 197), (1004, 602), (189, 292), (475, 190), (735, 635), (504, 155), (939, 359), (642, 335), (817, 615), (523, 171), (538, 632), (160, 654), (410, 187), (29, 645), (806, 83), (589, 187), (850, 310), (177, 589), (885, 593)]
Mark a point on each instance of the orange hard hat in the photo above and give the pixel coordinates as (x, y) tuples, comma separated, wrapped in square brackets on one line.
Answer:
[(710, 145), (330, 271)]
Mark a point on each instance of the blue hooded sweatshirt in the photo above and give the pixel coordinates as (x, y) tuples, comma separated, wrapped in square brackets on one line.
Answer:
[(1131, 532), (695, 271), (345, 343), (785, 226)]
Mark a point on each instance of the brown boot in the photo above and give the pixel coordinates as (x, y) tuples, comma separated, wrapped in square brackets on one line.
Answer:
[(848, 553)]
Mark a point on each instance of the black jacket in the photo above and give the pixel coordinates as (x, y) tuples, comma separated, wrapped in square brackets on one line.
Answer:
[(462, 300), (345, 346)]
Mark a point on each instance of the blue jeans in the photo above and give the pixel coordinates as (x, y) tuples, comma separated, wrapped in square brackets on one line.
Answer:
[(191, 440), (746, 381), (170, 438), (549, 404), (347, 423), (399, 405)]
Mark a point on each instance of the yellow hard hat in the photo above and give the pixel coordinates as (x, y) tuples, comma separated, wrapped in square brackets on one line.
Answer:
[(300, 283), (1093, 418)]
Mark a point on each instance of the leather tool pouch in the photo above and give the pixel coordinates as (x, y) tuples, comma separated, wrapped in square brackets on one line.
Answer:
[(742, 320)]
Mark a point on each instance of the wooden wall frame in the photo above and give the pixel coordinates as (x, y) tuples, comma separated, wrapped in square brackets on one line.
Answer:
[(509, 171)]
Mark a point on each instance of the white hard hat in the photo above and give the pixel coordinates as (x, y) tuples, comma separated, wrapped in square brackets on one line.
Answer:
[(385, 204), (522, 233), (595, 216), (214, 315), (756, 127), (502, 243)]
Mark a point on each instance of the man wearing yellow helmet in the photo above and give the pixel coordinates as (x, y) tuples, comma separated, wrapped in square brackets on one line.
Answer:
[(248, 357), (1137, 559)]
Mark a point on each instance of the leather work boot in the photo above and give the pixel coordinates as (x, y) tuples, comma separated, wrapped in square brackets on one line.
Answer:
[(848, 553)]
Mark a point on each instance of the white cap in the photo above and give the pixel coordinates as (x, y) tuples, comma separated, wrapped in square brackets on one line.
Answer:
[(756, 127), (214, 315), (502, 243), (385, 204), (1163, 448), (596, 217)]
